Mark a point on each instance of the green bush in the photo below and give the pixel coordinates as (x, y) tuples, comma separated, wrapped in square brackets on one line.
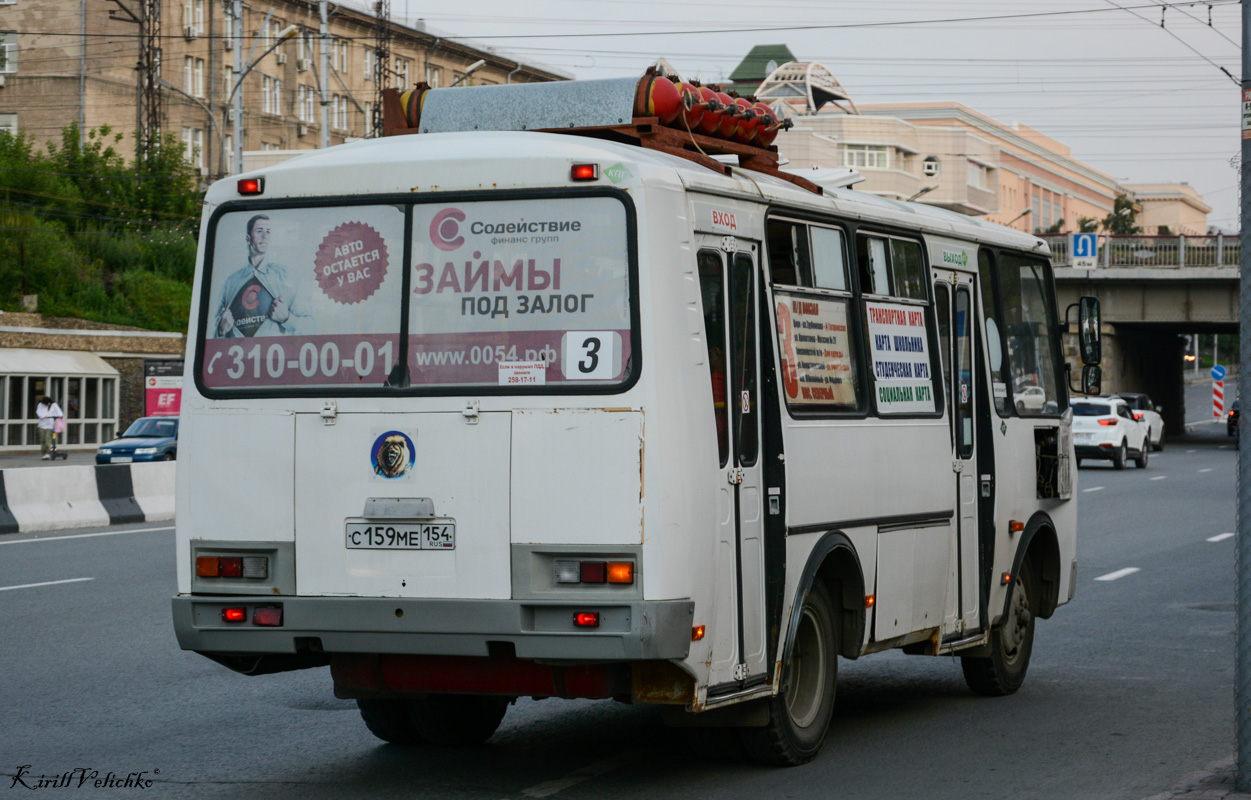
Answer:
[(95, 237)]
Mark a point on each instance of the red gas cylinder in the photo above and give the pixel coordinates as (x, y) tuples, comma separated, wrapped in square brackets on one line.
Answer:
[(657, 96), (693, 107), (749, 121), (767, 130), (712, 113), (729, 117)]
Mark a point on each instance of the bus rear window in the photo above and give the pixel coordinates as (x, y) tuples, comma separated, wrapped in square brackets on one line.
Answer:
[(521, 293), (306, 297), (525, 293)]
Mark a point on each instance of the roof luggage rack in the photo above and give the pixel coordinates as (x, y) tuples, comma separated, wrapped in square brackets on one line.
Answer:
[(656, 111)]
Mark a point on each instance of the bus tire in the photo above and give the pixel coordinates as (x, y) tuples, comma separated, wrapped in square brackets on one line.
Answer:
[(1003, 671), (800, 714), (389, 720), (457, 720)]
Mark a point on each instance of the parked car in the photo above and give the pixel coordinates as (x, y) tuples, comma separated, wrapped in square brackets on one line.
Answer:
[(147, 439), (1141, 407), (1231, 421), (1104, 428), (1030, 398)]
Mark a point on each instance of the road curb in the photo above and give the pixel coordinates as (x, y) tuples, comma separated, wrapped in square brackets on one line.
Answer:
[(41, 499)]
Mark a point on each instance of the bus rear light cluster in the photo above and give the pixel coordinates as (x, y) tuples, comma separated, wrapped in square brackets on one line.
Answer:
[(264, 616), (621, 572), (248, 567)]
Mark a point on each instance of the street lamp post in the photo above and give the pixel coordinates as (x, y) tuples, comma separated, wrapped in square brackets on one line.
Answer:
[(474, 67), (241, 72), (1018, 216)]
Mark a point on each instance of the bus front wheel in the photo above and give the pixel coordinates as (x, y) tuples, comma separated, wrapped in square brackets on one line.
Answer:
[(1003, 671), (800, 714)]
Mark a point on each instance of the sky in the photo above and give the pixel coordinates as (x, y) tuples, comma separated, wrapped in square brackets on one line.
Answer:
[(1140, 101)]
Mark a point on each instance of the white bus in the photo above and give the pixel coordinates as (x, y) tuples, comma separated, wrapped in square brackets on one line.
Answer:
[(482, 415)]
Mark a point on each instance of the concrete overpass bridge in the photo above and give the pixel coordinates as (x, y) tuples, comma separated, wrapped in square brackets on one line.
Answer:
[(1152, 290)]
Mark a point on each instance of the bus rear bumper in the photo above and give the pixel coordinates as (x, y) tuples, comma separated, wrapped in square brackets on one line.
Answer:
[(627, 631)]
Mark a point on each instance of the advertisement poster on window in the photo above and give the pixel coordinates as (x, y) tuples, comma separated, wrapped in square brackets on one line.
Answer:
[(519, 292), (899, 348), (162, 387), (304, 297), (816, 354)]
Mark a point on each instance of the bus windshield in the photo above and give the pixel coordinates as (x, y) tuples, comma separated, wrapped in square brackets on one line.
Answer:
[(507, 293)]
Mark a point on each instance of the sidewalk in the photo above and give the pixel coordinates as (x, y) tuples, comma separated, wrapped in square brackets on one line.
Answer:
[(1214, 783), (31, 458)]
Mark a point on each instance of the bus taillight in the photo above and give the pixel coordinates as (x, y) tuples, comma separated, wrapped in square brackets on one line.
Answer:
[(586, 619)]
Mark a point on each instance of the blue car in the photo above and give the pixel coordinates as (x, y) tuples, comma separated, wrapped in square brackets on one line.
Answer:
[(147, 439)]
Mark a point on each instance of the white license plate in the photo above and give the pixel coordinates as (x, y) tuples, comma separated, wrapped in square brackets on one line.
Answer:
[(1082, 437), (401, 536), (120, 460)]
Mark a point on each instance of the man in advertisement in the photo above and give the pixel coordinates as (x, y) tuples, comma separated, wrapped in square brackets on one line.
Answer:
[(260, 298)]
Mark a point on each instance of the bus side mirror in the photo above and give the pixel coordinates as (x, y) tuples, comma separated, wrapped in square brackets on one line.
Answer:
[(1092, 379), (1088, 330)]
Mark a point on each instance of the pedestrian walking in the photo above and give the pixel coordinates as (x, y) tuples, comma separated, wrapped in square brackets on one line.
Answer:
[(48, 412)]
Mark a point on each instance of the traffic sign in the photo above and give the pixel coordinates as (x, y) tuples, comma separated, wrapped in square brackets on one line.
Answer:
[(1084, 250), (1218, 373)]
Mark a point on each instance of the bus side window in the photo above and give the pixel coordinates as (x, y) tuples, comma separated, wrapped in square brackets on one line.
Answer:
[(789, 258), (829, 259), (874, 265), (712, 296), (994, 335), (908, 269), (942, 299)]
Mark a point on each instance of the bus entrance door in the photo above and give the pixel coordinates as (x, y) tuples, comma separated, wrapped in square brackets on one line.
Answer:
[(954, 297), (729, 285)]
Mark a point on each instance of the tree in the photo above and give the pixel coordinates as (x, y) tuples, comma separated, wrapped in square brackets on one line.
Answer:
[(1058, 227), (1164, 230), (1121, 220)]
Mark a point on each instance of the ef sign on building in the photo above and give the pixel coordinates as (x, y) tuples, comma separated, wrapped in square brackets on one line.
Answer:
[(162, 387)]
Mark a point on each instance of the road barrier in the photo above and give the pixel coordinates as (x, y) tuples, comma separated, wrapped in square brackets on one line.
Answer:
[(51, 498)]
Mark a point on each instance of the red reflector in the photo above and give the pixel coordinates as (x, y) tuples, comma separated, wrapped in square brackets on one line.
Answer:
[(234, 615), (269, 616), (231, 567), (251, 185), (1108, 422), (207, 566), (586, 619), (594, 571), (584, 172)]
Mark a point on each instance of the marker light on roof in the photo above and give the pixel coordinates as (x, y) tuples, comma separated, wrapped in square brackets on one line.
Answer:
[(584, 172), (250, 186)]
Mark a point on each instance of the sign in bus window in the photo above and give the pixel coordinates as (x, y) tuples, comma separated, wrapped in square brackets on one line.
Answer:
[(304, 297), (818, 359), (522, 293), (899, 348)]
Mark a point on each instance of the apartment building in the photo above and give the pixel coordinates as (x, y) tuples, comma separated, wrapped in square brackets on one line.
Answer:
[(75, 61)]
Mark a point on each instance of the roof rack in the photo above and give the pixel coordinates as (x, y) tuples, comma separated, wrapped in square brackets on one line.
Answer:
[(656, 112)]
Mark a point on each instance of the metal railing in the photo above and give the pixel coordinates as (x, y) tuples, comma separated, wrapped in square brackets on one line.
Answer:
[(1158, 252)]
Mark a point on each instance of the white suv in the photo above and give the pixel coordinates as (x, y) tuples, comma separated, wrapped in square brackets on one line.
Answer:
[(1141, 407), (1105, 428)]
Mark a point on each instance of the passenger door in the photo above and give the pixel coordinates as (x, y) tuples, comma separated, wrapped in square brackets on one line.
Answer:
[(730, 286), (953, 296)]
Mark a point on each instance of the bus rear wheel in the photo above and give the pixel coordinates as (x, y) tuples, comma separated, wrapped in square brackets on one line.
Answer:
[(389, 720), (1003, 671), (457, 720), (800, 714)]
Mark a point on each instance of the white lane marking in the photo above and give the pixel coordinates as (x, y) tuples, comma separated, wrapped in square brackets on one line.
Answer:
[(1094, 489), (1120, 573), (88, 535), (550, 788), (1159, 477), (1191, 451), (1220, 537), (1209, 469), (46, 583)]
